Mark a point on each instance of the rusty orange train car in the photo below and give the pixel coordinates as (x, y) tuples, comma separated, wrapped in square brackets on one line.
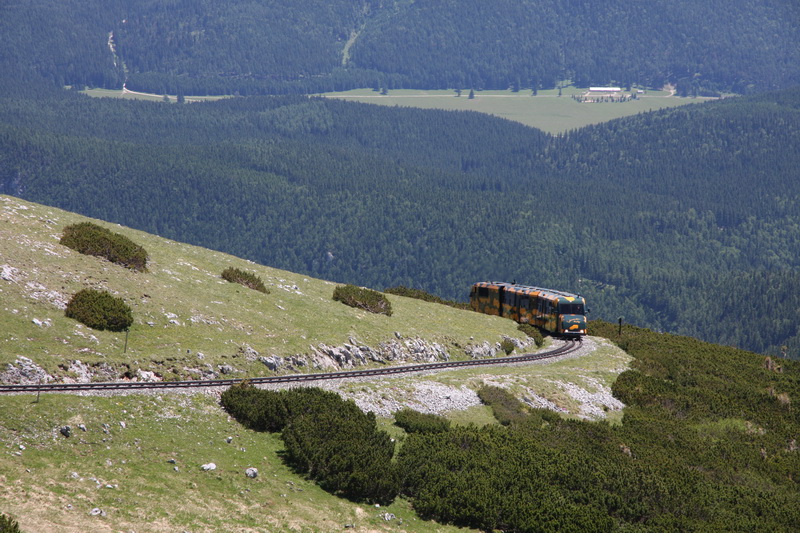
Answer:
[(560, 313)]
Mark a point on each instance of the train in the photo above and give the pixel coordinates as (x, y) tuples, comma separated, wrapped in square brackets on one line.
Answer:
[(560, 313)]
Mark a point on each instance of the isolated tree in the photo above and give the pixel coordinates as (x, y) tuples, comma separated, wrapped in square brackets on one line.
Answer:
[(471, 94)]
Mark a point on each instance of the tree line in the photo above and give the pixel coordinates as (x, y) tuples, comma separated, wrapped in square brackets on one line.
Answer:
[(282, 46)]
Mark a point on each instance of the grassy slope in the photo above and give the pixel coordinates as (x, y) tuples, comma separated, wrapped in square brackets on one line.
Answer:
[(37, 484), (214, 318)]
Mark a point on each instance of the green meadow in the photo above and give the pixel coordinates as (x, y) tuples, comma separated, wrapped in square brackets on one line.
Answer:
[(546, 111)]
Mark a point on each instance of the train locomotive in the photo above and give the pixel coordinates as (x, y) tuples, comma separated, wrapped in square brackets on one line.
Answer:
[(560, 313)]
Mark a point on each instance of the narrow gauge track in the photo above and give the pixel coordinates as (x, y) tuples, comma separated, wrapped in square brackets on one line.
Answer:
[(568, 347)]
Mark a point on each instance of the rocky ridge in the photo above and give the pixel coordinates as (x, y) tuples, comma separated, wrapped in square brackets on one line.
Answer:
[(321, 357)]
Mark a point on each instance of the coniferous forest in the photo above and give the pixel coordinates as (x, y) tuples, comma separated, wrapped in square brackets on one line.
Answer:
[(682, 220), (279, 46)]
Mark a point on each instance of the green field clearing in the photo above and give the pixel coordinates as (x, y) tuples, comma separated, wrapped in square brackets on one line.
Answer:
[(546, 111)]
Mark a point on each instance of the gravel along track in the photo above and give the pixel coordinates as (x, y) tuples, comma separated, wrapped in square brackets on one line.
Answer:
[(560, 348)]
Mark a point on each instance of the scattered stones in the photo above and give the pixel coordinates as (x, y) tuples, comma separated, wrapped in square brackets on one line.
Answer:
[(8, 273), (147, 376), (482, 351), (387, 516), (249, 353), (229, 440), (97, 512), (251, 472), (354, 353), (208, 467), (226, 369), (122, 424), (66, 431), (24, 372), (82, 427), (86, 373), (273, 362)]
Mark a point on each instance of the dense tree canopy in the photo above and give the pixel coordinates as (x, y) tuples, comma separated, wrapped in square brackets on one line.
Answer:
[(278, 46)]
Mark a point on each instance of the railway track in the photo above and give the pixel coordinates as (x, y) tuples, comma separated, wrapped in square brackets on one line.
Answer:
[(569, 346)]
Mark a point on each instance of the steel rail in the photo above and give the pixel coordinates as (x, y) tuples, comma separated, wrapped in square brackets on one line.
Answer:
[(568, 347)]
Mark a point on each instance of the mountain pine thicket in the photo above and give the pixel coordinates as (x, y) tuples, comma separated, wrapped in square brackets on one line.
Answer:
[(708, 442)]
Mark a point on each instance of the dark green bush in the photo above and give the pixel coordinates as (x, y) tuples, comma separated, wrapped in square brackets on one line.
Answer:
[(362, 298), (418, 294), (532, 332), (329, 439), (506, 408), (8, 524), (100, 310), (249, 280), (415, 422), (259, 410), (91, 239), (507, 346)]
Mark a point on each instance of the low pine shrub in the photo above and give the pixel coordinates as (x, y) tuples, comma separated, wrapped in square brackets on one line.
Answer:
[(362, 298), (247, 279), (532, 332), (415, 422), (259, 410), (507, 346), (8, 524), (91, 239), (100, 310), (328, 438), (506, 408)]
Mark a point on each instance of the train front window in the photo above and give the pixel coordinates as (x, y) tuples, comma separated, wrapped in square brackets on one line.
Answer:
[(571, 309)]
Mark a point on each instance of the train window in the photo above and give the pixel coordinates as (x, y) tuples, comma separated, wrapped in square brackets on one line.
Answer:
[(570, 309), (525, 303), (483, 292)]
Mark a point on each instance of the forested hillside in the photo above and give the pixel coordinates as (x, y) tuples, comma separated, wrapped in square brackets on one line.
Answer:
[(278, 46), (684, 220)]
